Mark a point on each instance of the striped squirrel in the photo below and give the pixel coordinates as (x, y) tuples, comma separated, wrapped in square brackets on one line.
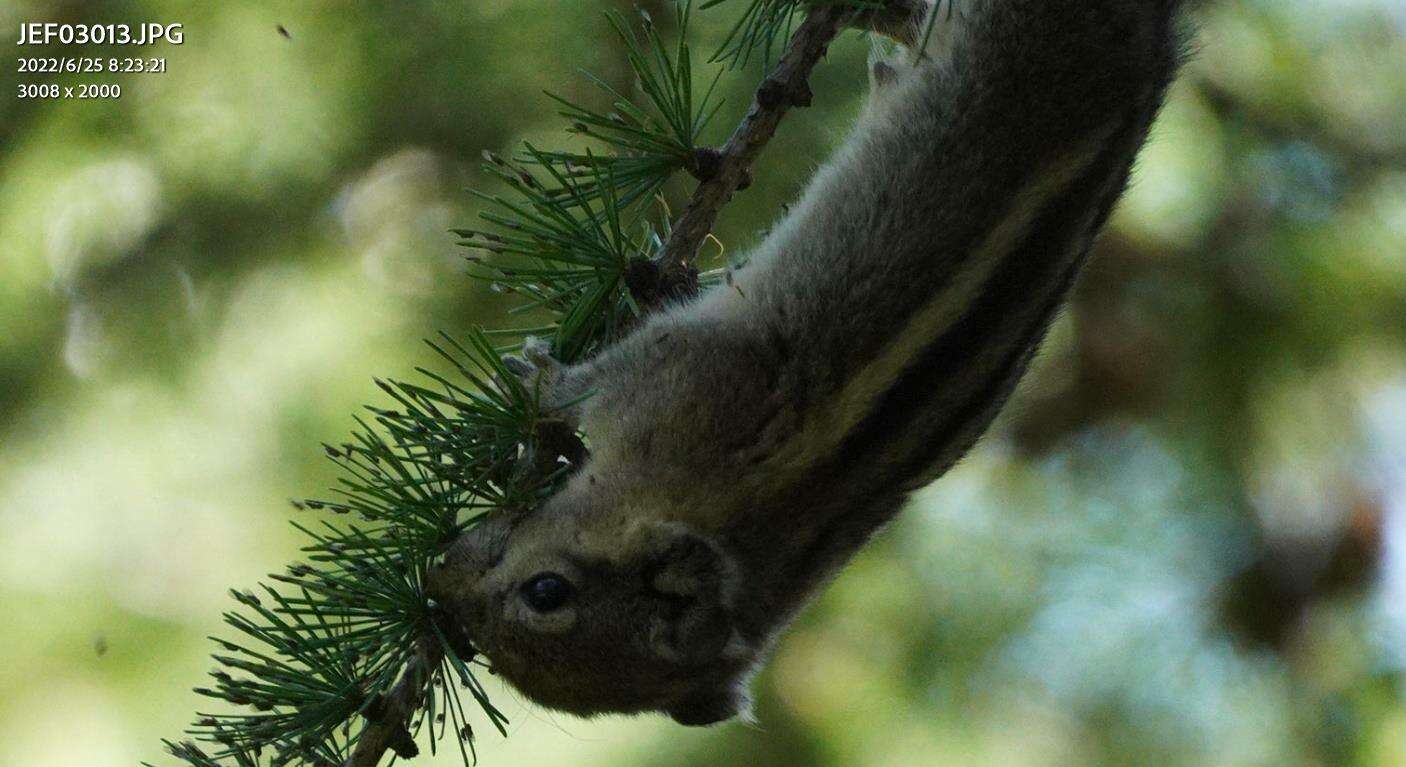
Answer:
[(746, 444)]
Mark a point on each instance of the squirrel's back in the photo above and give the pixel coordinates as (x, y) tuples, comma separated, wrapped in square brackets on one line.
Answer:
[(885, 318)]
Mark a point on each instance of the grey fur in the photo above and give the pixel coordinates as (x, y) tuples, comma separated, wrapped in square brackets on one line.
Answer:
[(746, 444)]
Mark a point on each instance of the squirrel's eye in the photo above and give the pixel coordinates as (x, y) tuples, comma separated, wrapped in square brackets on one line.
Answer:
[(546, 592)]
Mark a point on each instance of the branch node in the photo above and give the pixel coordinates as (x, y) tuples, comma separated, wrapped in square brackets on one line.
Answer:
[(655, 283), (771, 93), (403, 743), (801, 94), (783, 88), (704, 163)]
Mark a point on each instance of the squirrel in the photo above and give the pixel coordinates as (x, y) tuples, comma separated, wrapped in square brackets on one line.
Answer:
[(744, 445)]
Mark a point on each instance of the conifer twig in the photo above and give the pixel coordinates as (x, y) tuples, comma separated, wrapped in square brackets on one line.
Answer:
[(388, 726), (785, 87)]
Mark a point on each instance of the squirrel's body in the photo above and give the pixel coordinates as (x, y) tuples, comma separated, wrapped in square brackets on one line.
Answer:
[(745, 445)]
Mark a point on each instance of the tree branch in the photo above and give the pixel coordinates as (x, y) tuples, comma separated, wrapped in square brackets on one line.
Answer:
[(387, 726), (782, 89), (672, 273)]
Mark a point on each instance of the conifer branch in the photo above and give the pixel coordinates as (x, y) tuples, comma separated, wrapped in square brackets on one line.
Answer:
[(785, 87), (388, 726), (675, 274)]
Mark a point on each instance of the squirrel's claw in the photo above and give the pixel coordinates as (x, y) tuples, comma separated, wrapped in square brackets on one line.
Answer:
[(557, 387)]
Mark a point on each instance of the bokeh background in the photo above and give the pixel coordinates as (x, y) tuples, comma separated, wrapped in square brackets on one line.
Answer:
[(1183, 544)]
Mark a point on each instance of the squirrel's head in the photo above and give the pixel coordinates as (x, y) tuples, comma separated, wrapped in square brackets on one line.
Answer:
[(590, 610)]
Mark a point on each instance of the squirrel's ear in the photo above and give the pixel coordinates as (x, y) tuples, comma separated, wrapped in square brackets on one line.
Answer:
[(698, 580), (712, 706)]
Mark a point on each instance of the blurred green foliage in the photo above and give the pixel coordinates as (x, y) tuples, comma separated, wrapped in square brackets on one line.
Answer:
[(1184, 543)]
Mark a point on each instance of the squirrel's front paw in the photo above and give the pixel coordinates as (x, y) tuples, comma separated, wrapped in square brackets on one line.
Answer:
[(536, 361), (559, 389)]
